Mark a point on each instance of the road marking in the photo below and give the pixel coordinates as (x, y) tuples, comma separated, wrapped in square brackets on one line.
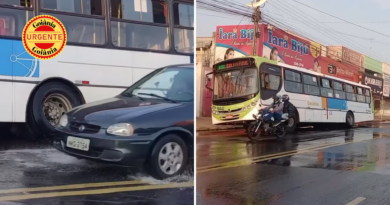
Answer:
[(71, 186), (356, 201), (95, 191), (246, 160)]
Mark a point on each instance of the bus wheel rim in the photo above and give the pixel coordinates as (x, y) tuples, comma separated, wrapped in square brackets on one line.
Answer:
[(54, 106)]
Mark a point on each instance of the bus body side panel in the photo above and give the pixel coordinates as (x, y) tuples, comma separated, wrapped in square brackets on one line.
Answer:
[(108, 71), (6, 94)]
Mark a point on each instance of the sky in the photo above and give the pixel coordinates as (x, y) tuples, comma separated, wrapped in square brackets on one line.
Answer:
[(373, 14)]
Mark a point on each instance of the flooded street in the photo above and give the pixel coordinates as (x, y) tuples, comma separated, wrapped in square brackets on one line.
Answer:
[(313, 166), (35, 173)]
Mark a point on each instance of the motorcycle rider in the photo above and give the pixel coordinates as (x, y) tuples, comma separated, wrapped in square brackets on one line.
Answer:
[(288, 107), (277, 112)]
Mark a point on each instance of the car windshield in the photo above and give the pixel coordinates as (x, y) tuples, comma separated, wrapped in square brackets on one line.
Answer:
[(174, 84), (235, 83)]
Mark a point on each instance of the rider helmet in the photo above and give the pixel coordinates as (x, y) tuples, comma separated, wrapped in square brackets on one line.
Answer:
[(285, 97), (276, 99)]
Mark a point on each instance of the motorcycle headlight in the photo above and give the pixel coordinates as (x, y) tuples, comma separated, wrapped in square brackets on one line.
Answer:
[(121, 129), (63, 121)]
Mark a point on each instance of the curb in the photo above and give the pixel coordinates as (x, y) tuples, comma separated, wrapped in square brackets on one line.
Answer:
[(218, 129)]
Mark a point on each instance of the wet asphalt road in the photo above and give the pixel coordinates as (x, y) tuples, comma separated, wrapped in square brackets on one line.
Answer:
[(312, 167), (35, 173)]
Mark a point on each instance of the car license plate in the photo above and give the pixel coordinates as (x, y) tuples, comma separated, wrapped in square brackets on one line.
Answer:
[(78, 143), (229, 116)]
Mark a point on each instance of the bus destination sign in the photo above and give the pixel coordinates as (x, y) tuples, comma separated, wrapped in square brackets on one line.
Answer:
[(239, 63)]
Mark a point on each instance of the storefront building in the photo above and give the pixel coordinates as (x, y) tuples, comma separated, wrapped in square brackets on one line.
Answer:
[(373, 78), (386, 91)]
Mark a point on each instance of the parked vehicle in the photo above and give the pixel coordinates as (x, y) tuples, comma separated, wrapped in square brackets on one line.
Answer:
[(264, 126), (150, 124)]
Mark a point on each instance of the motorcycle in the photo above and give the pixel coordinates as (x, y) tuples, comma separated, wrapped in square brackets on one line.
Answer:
[(260, 126)]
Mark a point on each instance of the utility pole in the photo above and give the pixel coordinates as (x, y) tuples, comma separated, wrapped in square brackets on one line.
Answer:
[(256, 17)]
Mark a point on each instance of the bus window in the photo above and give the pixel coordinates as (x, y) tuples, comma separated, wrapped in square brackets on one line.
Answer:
[(360, 96), (88, 7), (184, 27), (326, 90), (151, 30), (270, 82), (12, 21), (350, 92), (338, 90), (247, 82), (293, 82), (85, 30), (310, 85), (368, 96), (17, 3)]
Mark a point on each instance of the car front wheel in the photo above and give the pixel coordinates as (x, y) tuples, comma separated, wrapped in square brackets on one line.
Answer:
[(169, 157)]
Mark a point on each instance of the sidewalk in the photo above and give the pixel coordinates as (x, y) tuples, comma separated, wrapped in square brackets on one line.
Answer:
[(204, 124)]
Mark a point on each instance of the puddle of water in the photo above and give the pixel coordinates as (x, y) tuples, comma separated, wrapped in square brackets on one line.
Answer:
[(185, 177)]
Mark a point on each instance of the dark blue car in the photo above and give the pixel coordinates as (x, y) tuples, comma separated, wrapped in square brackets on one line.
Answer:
[(150, 124)]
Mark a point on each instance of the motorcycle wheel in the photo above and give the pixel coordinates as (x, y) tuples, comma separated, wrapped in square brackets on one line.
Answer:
[(252, 135), (283, 131)]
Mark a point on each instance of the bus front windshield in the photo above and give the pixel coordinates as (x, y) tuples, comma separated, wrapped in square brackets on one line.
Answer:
[(235, 83)]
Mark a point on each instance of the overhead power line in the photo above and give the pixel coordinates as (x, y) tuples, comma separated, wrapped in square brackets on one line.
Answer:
[(341, 19)]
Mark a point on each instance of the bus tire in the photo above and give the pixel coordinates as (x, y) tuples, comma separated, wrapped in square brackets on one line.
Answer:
[(349, 119), (48, 104), (292, 124)]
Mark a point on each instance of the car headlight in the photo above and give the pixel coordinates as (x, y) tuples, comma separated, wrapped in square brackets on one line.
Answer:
[(121, 129), (64, 121)]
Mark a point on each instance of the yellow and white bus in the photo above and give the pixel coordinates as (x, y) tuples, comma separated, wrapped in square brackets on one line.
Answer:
[(244, 85)]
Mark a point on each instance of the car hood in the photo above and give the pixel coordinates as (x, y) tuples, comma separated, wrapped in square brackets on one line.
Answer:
[(114, 110)]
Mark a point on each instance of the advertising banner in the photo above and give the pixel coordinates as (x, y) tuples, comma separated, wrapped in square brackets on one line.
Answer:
[(372, 64), (354, 58), (386, 68), (233, 41), (347, 56), (334, 52), (287, 48), (376, 83), (339, 70), (386, 85)]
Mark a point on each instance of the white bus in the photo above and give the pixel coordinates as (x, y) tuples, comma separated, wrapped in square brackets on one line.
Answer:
[(111, 44), (242, 84)]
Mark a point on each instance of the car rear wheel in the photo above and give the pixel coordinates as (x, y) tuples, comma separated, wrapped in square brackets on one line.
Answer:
[(168, 158)]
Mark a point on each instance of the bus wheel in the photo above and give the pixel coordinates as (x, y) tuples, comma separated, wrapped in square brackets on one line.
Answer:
[(350, 119), (292, 123), (49, 103)]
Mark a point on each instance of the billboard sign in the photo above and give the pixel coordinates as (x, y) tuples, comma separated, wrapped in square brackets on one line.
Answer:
[(337, 69), (290, 49), (347, 56), (376, 83), (233, 41), (386, 85), (354, 58)]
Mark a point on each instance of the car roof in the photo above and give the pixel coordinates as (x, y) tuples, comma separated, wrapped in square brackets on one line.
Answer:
[(181, 65)]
